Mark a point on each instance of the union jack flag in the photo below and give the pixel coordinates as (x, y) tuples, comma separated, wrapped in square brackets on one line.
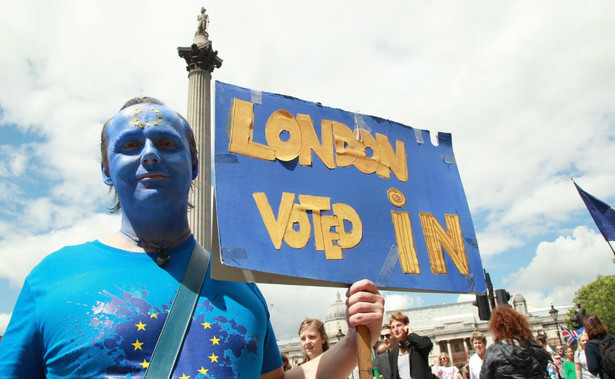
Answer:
[(571, 336)]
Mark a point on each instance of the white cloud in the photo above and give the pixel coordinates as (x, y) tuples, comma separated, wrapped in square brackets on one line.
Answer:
[(14, 160), (289, 305), (560, 267), (4, 322), (19, 252), (394, 301), (494, 241)]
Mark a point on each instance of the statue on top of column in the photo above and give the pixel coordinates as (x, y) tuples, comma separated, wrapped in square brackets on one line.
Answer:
[(203, 20)]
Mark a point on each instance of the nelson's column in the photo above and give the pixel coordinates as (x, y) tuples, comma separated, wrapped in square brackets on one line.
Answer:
[(201, 60)]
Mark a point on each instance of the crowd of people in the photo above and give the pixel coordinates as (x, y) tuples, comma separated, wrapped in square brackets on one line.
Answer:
[(400, 353)]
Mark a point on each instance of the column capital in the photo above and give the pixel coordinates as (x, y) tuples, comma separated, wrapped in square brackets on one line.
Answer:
[(200, 56)]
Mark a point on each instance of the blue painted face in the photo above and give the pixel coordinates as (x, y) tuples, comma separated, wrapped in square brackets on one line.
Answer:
[(150, 164)]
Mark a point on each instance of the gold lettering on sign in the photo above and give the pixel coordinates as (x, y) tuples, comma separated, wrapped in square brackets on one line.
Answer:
[(290, 137), (309, 141), (437, 238), (408, 259), (316, 204), (292, 224), (242, 133), (283, 121), (275, 227)]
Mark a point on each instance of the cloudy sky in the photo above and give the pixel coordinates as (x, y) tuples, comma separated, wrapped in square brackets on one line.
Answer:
[(526, 88)]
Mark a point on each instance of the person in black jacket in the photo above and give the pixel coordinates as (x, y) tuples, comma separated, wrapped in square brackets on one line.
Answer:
[(410, 359), (514, 354), (596, 331), (382, 359)]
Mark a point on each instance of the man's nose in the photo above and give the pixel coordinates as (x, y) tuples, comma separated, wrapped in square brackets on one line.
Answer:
[(150, 153)]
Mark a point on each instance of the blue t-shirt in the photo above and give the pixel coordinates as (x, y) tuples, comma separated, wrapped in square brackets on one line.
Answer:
[(96, 311)]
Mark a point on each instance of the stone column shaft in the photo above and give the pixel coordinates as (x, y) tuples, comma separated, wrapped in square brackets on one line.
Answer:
[(198, 115), (201, 60)]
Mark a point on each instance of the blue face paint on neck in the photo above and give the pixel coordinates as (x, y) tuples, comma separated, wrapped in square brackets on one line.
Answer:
[(151, 168)]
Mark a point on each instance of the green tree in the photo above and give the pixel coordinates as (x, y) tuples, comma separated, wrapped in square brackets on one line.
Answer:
[(597, 297)]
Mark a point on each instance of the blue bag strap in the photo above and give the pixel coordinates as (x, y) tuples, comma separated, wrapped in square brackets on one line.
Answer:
[(175, 326)]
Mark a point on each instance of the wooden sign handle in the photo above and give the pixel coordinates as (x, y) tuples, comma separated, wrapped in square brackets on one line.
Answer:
[(365, 353)]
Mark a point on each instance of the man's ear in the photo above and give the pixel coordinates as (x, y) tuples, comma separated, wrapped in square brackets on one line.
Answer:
[(105, 174), (195, 168)]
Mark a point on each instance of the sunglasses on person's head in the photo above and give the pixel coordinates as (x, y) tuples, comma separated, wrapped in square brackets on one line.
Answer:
[(383, 336)]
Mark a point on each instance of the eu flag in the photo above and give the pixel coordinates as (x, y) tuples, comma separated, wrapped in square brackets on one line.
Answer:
[(602, 213)]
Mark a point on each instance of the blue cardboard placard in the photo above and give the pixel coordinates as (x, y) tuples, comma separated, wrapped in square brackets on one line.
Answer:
[(312, 192)]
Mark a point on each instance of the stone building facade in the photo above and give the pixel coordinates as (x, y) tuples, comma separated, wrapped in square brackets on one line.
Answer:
[(448, 325)]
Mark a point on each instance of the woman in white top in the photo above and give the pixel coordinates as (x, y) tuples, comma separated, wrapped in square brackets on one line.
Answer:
[(580, 362), (445, 368)]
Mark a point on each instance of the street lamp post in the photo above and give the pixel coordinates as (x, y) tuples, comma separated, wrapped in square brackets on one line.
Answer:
[(553, 312)]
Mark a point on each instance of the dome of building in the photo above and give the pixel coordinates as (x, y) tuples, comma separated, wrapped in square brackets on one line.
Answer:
[(518, 297), (335, 322), (336, 310), (519, 304)]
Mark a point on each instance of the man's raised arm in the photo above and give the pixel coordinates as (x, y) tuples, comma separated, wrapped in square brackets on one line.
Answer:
[(364, 306)]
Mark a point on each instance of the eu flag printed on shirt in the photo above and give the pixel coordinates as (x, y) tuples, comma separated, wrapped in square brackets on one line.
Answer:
[(602, 213)]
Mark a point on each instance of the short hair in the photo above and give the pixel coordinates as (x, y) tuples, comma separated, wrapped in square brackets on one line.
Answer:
[(593, 326), (104, 158), (476, 335), (385, 327), (400, 317), (507, 324), (319, 326)]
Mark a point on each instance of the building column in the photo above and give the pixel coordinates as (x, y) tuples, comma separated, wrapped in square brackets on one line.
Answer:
[(201, 60), (198, 115), (469, 347)]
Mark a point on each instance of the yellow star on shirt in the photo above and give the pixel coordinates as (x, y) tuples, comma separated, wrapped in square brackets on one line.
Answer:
[(213, 357), (137, 345), (140, 326), (206, 325), (203, 370), (184, 376), (144, 364), (215, 341), (153, 315)]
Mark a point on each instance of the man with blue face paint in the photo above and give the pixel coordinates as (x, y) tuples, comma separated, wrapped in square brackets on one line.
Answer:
[(97, 309)]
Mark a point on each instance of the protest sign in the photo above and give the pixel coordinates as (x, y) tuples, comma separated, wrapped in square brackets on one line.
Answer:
[(318, 193)]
